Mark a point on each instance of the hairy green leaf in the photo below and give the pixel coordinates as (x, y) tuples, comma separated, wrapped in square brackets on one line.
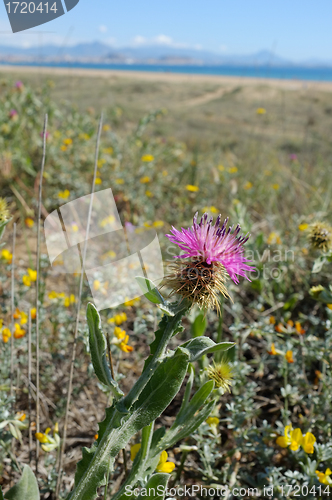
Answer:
[(150, 290), (98, 347), (203, 345), (26, 488)]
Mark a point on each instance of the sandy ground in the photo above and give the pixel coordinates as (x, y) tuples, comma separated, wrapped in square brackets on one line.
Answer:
[(169, 77)]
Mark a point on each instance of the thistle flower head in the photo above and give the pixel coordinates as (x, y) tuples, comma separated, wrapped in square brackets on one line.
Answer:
[(320, 236), (4, 212), (212, 253), (222, 375)]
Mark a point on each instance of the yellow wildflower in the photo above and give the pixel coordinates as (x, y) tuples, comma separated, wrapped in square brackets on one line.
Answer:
[(108, 151), (191, 188), (294, 439), (64, 195), (212, 210), (232, 170), (29, 222), (274, 238), (119, 181), (147, 158), (212, 421), (48, 442), (145, 179), (248, 185), (164, 173), (163, 465), (303, 227), (26, 280), (118, 319), (158, 223), (7, 255), (272, 351), (63, 148), (18, 332), (106, 127), (124, 345), (6, 334), (298, 328), (119, 333), (98, 180), (221, 168), (329, 306), (275, 186), (132, 302), (33, 313), (148, 193), (68, 141), (260, 111), (272, 320), (289, 357), (96, 285), (324, 477)]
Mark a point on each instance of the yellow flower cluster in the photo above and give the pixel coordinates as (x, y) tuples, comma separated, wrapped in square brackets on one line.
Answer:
[(118, 319), (192, 188), (122, 340), (64, 195), (7, 256), (30, 277), (132, 302), (68, 300), (294, 439), (48, 442)]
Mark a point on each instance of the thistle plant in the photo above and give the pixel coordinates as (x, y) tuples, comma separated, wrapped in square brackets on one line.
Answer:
[(213, 248)]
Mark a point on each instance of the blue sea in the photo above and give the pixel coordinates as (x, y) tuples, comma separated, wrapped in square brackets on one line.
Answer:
[(285, 73)]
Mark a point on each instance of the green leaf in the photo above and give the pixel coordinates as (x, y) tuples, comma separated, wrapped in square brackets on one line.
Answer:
[(98, 347), (153, 492), (3, 227), (26, 488), (150, 291), (166, 309), (198, 327), (1, 494), (199, 398), (117, 429), (203, 345)]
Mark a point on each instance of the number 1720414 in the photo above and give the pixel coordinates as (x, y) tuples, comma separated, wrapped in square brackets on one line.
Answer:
[(31, 7)]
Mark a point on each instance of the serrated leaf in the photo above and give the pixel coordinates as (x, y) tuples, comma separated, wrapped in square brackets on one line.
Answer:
[(160, 479), (98, 347), (26, 488), (150, 290), (204, 345), (198, 327)]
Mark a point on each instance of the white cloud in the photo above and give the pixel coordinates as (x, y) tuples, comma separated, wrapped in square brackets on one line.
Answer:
[(102, 28), (140, 40), (223, 48), (161, 39)]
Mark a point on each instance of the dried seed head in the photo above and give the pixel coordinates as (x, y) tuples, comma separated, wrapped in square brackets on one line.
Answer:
[(222, 375), (320, 236), (198, 282)]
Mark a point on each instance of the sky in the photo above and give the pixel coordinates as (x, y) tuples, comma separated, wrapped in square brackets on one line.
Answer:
[(298, 30)]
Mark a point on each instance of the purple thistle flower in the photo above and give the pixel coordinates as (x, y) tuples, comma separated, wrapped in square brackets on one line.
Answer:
[(214, 243), (13, 113), (19, 84)]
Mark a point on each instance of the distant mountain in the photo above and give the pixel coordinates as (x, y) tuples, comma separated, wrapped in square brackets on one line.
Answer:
[(147, 54)]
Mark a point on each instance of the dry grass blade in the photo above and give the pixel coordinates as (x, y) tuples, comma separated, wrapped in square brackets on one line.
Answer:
[(37, 284), (71, 373), (29, 387), (12, 319)]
